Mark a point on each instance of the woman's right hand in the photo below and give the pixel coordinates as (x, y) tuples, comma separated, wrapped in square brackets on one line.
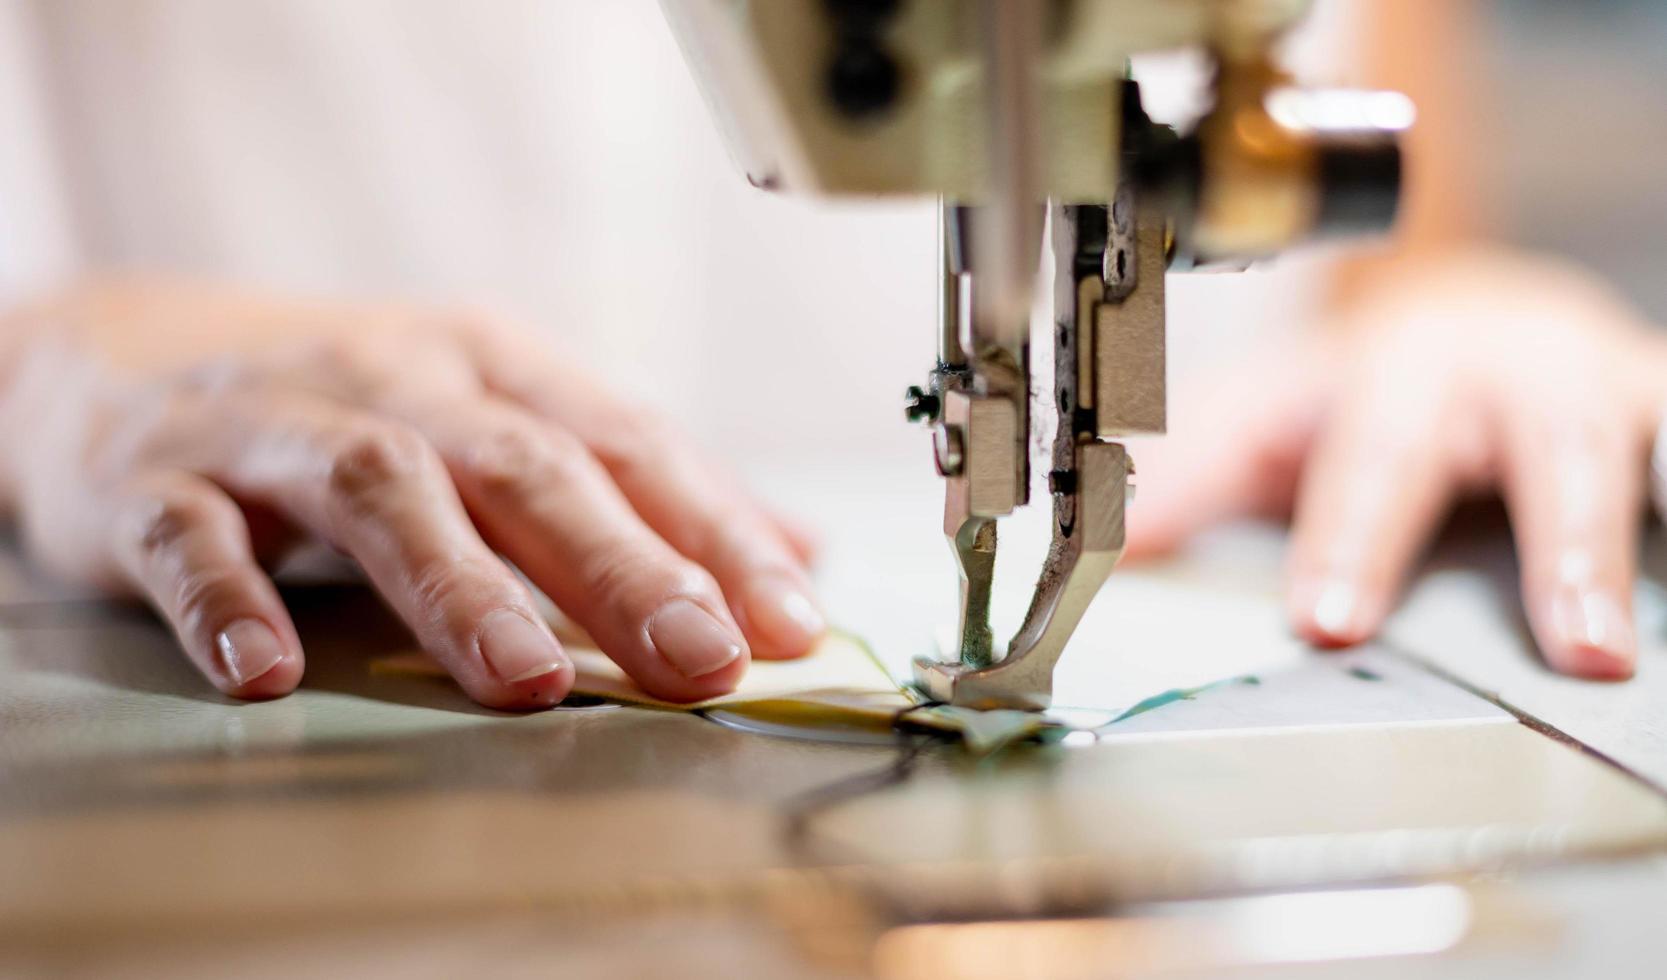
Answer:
[(170, 442)]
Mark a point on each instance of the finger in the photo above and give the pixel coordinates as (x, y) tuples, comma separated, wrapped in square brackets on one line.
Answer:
[(1573, 477), (1235, 449), (697, 510), (1185, 486), (545, 502), (378, 491), (184, 544), (801, 538), (1380, 477), (706, 517)]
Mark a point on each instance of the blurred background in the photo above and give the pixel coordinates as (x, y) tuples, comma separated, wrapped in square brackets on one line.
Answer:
[(552, 159)]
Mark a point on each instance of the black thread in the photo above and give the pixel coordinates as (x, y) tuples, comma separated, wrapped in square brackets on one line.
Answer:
[(910, 744)]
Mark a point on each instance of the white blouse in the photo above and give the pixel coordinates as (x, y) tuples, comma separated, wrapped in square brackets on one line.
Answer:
[(549, 158)]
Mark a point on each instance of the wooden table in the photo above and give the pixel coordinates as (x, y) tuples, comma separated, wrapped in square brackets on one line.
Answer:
[(381, 824)]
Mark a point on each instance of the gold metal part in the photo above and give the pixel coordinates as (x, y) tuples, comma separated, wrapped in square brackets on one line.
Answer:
[(763, 67), (1258, 192), (1128, 338), (1006, 110), (986, 483)]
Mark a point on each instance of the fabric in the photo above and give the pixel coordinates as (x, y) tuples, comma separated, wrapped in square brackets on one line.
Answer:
[(840, 684)]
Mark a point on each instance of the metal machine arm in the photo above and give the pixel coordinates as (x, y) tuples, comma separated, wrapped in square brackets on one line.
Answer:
[(1009, 111)]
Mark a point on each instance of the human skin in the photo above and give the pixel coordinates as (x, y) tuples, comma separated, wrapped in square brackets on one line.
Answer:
[(1446, 366), (1465, 372), (173, 441)]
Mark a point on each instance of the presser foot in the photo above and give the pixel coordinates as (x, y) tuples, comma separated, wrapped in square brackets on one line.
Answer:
[(1087, 541)]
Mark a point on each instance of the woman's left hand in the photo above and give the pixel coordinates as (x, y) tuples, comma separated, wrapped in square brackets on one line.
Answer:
[(1474, 372)]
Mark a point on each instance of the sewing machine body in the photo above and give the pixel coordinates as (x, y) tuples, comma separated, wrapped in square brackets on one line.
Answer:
[(905, 115), (1020, 118)]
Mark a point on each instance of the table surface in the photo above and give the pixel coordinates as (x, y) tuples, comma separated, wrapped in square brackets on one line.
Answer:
[(136, 799)]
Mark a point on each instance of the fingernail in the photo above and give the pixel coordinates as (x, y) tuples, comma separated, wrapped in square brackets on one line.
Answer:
[(516, 649), (784, 613), (248, 650), (1334, 608), (691, 639), (1594, 631)]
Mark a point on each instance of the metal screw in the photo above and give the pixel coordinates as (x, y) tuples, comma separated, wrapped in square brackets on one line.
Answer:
[(920, 405)]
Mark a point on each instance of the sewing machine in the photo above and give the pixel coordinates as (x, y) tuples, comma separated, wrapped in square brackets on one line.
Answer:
[(1023, 120)]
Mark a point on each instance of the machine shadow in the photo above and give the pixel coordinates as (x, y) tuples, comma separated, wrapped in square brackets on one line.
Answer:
[(116, 644), (344, 629), (1477, 539)]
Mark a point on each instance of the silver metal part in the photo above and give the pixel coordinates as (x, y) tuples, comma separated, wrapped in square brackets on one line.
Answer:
[(984, 487), (1008, 111), (770, 70), (1090, 478), (1010, 222), (1077, 565), (952, 281)]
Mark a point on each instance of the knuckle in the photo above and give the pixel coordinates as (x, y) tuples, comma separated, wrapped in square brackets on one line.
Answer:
[(517, 460), (452, 595), (1595, 430), (731, 542), (214, 378), (385, 366), (160, 523), (363, 350), (456, 585), (204, 597), (330, 357), (504, 460), (367, 461), (141, 425), (363, 364), (1385, 445), (1580, 431), (635, 440), (614, 577), (473, 323), (637, 580)]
